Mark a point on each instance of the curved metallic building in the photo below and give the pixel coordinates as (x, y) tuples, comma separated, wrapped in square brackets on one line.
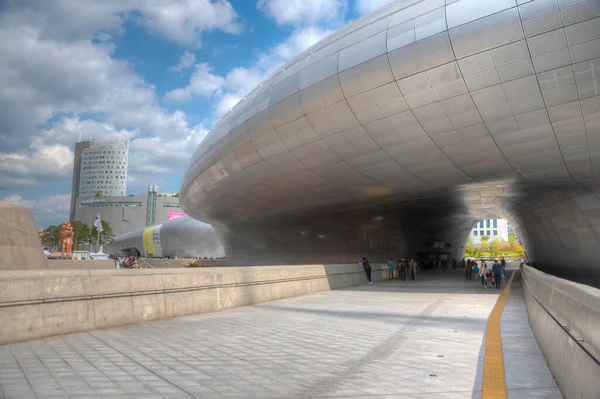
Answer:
[(183, 237), (407, 126)]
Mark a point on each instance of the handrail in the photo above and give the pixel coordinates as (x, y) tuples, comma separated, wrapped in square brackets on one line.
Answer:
[(110, 295), (148, 265), (578, 342)]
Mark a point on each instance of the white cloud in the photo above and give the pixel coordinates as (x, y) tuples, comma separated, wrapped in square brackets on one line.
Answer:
[(298, 41), (181, 21), (303, 12), (150, 156), (229, 90), (366, 6), (49, 156), (47, 210), (186, 61), (51, 67), (43, 77), (240, 81), (203, 83)]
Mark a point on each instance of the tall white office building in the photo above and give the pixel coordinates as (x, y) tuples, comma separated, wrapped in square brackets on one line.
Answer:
[(492, 228), (104, 169)]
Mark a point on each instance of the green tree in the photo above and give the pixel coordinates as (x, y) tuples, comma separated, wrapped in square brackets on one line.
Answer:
[(98, 194), (81, 233), (494, 247), (519, 250), (176, 195), (106, 236), (512, 241), (469, 247), (51, 236), (485, 243)]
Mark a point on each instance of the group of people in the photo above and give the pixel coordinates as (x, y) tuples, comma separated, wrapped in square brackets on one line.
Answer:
[(128, 262), (403, 267), (495, 274)]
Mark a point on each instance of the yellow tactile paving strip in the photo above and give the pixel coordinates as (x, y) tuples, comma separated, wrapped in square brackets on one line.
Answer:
[(494, 378)]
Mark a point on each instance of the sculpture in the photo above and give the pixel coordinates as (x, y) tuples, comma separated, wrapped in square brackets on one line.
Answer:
[(66, 240)]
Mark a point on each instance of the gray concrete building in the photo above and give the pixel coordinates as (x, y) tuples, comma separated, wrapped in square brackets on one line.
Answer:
[(405, 128), (79, 148), (129, 213)]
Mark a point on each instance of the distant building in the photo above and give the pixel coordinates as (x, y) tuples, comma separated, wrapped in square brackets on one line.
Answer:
[(492, 228), (511, 231), (126, 214), (104, 169), (98, 168), (79, 148)]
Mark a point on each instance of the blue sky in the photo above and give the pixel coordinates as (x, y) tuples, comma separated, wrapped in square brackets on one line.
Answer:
[(160, 73)]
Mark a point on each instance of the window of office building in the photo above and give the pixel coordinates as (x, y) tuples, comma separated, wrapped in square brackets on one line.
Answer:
[(495, 223), (495, 232), (474, 232), (487, 233), (487, 223)]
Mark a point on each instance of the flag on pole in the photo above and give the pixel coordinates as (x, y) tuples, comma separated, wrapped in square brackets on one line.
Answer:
[(98, 224)]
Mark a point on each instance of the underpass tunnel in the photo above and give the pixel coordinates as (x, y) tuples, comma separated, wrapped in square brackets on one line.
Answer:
[(558, 227)]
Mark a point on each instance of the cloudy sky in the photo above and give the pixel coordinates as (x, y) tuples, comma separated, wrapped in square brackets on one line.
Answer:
[(159, 72)]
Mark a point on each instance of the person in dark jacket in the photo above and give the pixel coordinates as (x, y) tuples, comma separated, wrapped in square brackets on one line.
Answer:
[(367, 267), (497, 270), (402, 269), (469, 270)]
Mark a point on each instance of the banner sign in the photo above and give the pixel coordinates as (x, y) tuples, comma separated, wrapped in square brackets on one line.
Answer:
[(151, 241), (175, 215)]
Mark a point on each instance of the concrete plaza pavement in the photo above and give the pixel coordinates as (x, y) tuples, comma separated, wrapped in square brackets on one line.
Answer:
[(390, 339)]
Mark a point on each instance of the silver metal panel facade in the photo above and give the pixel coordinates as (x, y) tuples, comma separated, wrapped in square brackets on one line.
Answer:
[(406, 127), (182, 237)]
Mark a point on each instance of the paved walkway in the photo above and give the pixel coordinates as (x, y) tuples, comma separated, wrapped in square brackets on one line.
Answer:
[(392, 339), (527, 374)]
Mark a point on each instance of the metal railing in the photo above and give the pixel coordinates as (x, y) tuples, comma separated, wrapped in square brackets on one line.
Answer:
[(143, 264)]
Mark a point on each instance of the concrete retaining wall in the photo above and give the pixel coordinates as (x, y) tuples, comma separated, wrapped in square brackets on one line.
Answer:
[(42, 303), (81, 264), (20, 246), (169, 263), (565, 318)]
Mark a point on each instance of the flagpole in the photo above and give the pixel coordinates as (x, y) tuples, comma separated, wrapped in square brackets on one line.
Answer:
[(99, 229)]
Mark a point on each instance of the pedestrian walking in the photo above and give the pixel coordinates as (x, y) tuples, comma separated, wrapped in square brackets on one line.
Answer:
[(402, 269), (367, 266), (483, 274), (391, 266), (413, 269), (503, 263), (497, 271), (468, 270), (475, 269)]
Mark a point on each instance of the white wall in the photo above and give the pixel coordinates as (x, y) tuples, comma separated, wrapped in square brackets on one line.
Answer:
[(500, 231)]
